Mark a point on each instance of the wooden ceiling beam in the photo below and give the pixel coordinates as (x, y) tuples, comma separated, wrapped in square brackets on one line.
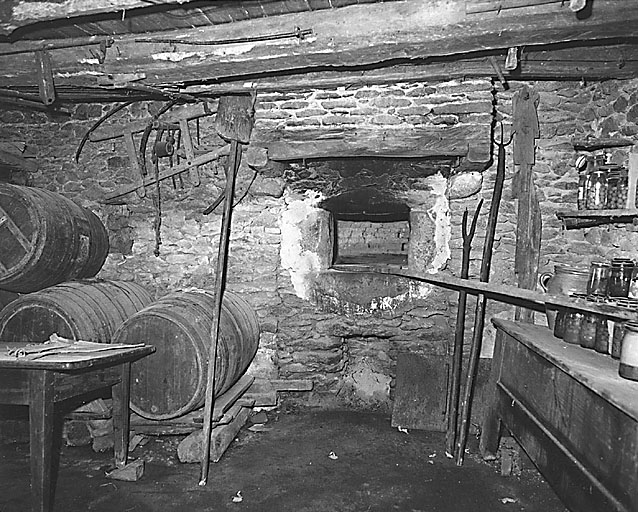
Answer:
[(580, 63), (348, 39), (19, 13)]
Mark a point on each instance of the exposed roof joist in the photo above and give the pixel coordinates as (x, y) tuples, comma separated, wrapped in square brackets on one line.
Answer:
[(400, 41)]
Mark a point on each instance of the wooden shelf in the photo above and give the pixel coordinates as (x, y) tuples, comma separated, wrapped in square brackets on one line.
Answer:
[(575, 219), (594, 143), (518, 296)]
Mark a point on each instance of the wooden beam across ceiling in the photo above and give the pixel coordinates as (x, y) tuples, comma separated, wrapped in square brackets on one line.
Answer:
[(19, 13), (350, 40)]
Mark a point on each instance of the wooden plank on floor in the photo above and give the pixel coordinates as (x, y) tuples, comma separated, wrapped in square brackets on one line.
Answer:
[(419, 398)]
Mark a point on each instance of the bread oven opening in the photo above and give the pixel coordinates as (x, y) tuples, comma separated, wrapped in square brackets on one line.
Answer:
[(370, 228)]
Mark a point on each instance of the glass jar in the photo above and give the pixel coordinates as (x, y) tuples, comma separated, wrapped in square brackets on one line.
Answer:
[(581, 200), (623, 187), (620, 277), (613, 181), (598, 278), (604, 331), (573, 320), (587, 333), (559, 322), (633, 284), (596, 198), (616, 342), (628, 368)]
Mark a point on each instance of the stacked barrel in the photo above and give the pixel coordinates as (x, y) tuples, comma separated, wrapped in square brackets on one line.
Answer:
[(51, 248), (51, 251)]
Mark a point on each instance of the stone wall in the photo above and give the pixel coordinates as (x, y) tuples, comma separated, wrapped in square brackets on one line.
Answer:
[(346, 345)]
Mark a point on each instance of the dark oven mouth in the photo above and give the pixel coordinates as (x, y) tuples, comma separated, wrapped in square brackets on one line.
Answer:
[(370, 229)]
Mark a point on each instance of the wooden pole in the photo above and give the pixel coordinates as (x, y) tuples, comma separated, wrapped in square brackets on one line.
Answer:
[(529, 220), (454, 383), (220, 279), (234, 123), (479, 315)]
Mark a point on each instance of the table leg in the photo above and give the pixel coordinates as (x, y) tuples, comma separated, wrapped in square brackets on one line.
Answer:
[(121, 416), (41, 424)]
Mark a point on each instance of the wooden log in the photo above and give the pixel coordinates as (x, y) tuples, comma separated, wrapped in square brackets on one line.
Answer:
[(192, 448), (25, 13), (417, 142), (376, 34), (17, 162)]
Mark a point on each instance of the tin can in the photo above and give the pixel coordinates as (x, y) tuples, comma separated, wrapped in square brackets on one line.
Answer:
[(628, 367)]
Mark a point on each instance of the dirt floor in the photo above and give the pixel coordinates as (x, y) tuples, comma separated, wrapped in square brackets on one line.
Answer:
[(302, 461)]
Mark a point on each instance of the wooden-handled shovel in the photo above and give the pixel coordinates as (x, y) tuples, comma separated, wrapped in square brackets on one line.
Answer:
[(234, 123)]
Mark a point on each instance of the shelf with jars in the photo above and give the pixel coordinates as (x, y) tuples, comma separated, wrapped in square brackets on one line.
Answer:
[(607, 192), (575, 219)]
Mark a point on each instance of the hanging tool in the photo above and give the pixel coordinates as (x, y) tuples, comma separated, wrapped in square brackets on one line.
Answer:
[(298, 33), (479, 315), (190, 153), (135, 163), (454, 382), (234, 123), (45, 77)]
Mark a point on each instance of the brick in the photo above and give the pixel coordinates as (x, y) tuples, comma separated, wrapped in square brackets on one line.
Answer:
[(294, 105), (462, 108), (386, 119), (326, 95), (303, 122), (339, 103), (387, 101), (447, 120), (272, 114), (421, 91), (366, 93), (341, 119), (310, 112)]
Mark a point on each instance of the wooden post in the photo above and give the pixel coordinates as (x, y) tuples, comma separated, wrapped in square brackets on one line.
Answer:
[(529, 223)]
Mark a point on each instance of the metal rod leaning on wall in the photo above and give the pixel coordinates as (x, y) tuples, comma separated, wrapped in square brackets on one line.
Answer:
[(454, 382), (479, 316)]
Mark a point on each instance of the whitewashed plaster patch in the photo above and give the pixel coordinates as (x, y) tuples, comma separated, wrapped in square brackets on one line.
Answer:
[(295, 257)]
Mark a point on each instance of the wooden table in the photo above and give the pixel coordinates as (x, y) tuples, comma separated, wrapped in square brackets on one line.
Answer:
[(574, 416), (42, 383)]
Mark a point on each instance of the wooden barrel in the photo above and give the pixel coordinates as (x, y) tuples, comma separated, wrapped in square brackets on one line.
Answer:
[(89, 310), (46, 239), (172, 381)]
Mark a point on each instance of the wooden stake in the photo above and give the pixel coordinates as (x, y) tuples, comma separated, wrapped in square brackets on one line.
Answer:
[(479, 315), (454, 383)]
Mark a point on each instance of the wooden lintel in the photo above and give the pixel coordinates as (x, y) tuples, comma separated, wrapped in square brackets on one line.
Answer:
[(400, 143)]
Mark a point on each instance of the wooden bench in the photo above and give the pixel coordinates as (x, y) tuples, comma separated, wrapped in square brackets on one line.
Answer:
[(575, 417)]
